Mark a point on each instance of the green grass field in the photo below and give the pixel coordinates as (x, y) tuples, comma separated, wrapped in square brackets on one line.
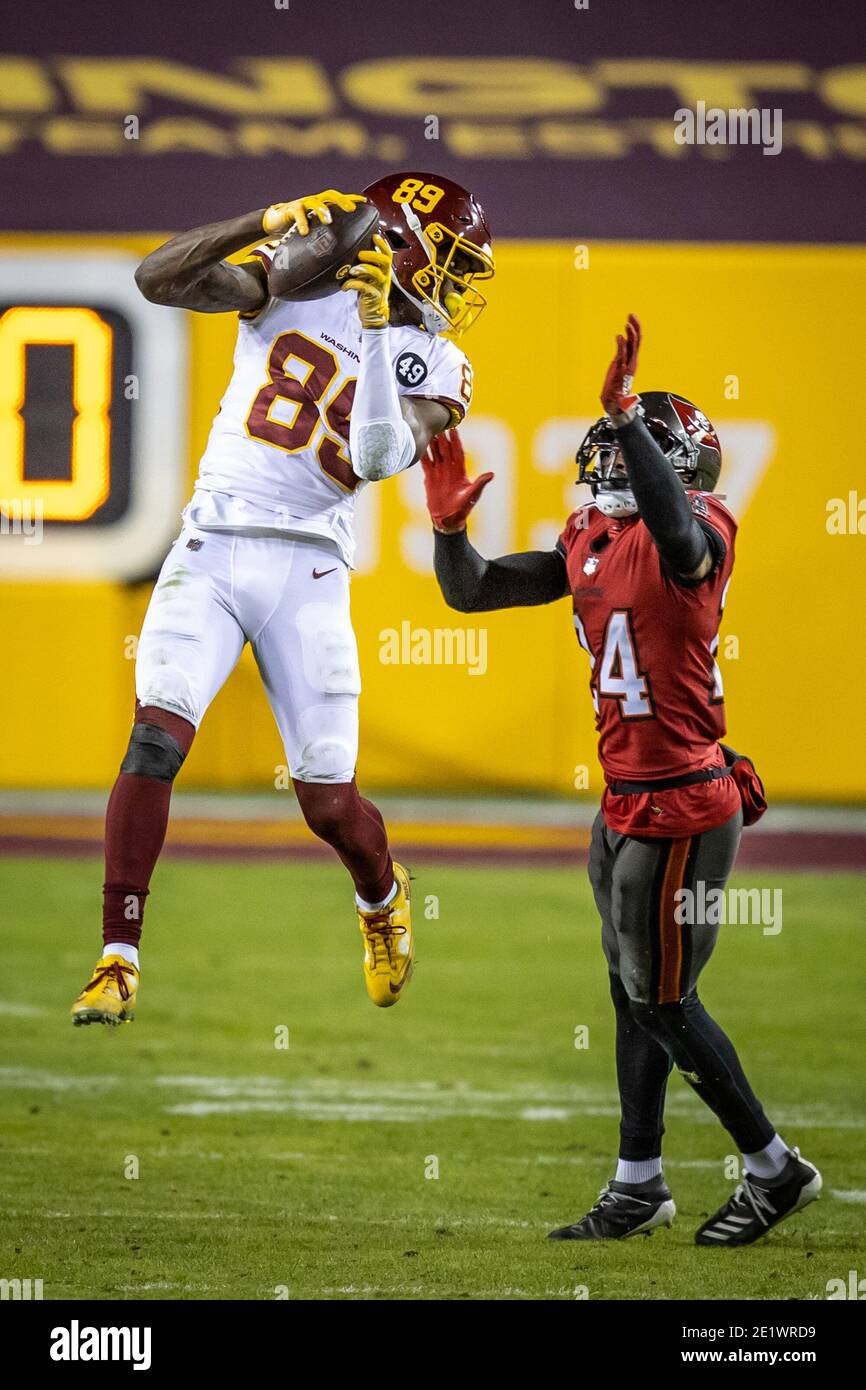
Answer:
[(305, 1168)]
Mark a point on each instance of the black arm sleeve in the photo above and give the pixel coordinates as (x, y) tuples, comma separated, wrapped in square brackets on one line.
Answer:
[(661, 500), (472, 584)]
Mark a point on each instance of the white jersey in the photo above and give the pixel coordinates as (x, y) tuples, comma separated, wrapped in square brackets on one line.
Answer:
[(277, 459)]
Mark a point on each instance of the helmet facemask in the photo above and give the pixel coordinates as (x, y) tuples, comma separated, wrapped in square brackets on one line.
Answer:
[(445, 292), (602, 466)]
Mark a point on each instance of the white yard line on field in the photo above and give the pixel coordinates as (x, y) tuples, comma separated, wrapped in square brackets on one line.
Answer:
[(448, 1223), (33, 1079), (131, 1217), (395, 1290), (148, 1288), (332, 1099)]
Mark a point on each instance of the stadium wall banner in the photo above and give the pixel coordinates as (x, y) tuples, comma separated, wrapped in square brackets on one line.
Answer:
[(94, 476), (559, 128)]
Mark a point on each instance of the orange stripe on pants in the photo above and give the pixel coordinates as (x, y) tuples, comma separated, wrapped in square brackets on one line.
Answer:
[(670, 932)]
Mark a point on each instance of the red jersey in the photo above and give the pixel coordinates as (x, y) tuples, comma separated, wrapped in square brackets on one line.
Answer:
[(655, 685)]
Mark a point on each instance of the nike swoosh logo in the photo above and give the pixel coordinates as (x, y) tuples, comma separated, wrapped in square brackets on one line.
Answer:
[(405, 977), (320, 574)]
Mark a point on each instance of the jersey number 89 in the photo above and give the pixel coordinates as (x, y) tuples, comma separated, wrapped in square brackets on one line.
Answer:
[(306, 395)]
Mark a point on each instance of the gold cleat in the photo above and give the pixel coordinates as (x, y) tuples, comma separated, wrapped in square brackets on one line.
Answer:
[(389, 954), (110, 995)]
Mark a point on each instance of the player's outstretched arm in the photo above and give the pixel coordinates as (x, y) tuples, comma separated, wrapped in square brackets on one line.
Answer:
[(663, 504), (189, 271), (658, 491), (472, 584), (468, 582)]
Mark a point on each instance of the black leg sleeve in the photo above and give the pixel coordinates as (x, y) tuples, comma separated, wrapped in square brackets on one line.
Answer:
[(642, 1070), (708, 1060)]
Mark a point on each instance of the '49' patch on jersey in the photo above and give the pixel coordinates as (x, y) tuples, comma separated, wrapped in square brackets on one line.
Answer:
[(411, 369)]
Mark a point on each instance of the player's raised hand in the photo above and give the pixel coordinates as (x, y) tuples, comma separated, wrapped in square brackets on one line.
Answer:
[(616, 393), (279, 217), (371, 278), (451, 495)]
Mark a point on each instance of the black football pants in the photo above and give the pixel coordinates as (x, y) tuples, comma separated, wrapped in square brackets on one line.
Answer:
[(654, 964)]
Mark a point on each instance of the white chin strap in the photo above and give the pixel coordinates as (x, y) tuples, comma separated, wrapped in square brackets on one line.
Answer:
[(619, 502), (433, 320)]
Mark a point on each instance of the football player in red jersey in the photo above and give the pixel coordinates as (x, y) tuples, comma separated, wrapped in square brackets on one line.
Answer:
[(647, 564)]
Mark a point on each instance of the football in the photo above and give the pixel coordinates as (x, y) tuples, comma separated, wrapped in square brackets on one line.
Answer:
[(313, 266)]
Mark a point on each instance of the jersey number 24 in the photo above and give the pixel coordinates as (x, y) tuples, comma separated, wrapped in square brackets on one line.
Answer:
[(618, 675)]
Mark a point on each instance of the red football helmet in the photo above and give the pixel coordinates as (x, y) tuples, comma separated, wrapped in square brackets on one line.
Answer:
[(441, 243), (682, 432)]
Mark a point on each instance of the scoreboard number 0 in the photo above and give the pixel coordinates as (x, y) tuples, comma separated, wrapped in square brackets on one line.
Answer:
[(91, 340), (94, 386)]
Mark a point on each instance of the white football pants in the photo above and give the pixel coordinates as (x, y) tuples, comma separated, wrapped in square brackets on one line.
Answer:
[(287, 597)]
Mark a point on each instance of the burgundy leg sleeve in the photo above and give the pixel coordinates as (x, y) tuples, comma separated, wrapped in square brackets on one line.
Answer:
[(353, 826), (135, 826)]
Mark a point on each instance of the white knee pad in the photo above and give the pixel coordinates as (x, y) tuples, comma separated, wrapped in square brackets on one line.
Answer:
[(329, 650), (327, 747)]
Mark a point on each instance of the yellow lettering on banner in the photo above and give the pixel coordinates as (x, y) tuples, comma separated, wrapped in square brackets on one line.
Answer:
[(844, 88), (810, 137), (284, 86), (469, 86), (321, 137), (11, 136), (391, 148), (454, 86), (659, 135), (70, 135), (582, 139), (717, 84), (185, 133), (91, 339), (850, 139), (477, 140), (24, 86)]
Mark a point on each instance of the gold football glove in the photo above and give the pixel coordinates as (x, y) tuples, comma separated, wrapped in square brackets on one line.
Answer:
[(372, 281), (279, 217)]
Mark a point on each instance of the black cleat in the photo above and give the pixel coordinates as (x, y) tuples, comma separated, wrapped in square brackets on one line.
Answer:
[(758, 1204), (622, 1209)]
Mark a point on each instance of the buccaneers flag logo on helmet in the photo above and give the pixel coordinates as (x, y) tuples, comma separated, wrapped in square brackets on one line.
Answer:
[(441, 242)]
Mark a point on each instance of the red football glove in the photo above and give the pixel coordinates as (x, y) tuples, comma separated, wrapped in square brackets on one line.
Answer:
[(450, 494), (616, 393)]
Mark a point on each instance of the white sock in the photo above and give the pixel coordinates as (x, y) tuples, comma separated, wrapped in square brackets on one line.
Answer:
[(768, 1162), (120, 948), (638, 1171), (377, 907)]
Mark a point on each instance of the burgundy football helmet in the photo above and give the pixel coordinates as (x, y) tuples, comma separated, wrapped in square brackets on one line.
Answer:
[(682, 432), (441, 242)]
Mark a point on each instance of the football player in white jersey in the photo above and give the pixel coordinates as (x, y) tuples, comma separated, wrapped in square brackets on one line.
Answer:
[(325, 396)]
